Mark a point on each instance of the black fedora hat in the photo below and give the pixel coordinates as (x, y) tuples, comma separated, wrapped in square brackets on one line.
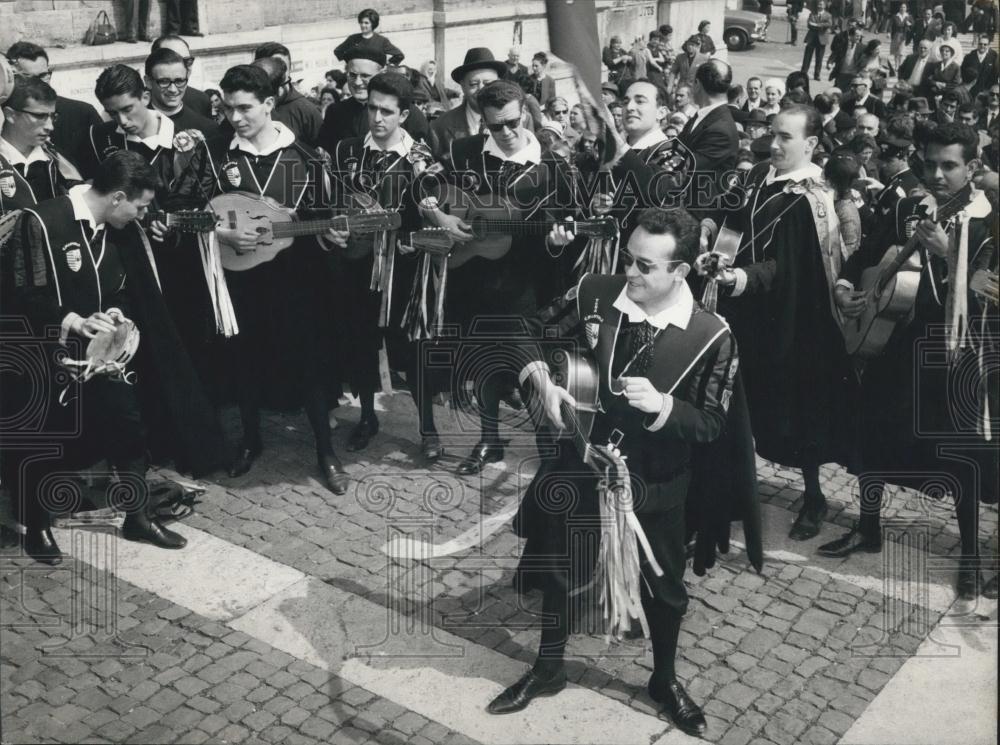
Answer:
[(478, 58)]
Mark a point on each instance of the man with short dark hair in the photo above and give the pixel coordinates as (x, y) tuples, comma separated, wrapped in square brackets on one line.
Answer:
[(507, 161), (349, 118), (194, 99), (293, 109), (370, 303), (687, 63), (779, 300), (29, 169), (166, 80), (910, 424), (710, 135), (80, 266), (817, 37), (667, 371), (982, 63), (540, 83), (75, 118), (281, 306), (754, 87)]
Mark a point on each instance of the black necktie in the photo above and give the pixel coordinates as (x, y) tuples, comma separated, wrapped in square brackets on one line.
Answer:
[(640, 355), (508, 170)]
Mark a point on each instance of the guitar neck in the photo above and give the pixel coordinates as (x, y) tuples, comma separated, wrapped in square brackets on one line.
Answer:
[(529, 227), (309, 227)]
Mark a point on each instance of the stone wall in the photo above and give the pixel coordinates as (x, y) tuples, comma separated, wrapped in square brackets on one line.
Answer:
[(424, 29)]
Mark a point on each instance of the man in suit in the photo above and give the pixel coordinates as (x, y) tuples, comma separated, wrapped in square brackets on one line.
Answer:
[(650, 336), (817, 37), (710, 135), (515, 70), (916, 69), (983, 61), (75, 118), (861, 97), (477, 71), (845, 55), (754, 87)]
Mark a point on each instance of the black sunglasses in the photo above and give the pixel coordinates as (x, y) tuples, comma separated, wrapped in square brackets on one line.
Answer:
[(644, 267), (510, 124)]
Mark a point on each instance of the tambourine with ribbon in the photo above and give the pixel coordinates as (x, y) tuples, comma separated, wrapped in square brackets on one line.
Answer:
[(108, 353)]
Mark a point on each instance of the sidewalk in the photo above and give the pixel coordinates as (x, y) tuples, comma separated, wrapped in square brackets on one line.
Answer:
[(387, 616)]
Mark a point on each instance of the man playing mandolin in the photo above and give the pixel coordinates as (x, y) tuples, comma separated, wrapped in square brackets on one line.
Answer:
[(280, 305), (666, 373), (925, 420)]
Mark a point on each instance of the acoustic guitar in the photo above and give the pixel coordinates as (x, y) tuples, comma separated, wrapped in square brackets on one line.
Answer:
[(277, 227), (494, 226), (891, 290)]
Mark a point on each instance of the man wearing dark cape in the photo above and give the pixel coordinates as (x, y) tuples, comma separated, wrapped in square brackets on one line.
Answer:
[(666, 375), (779, 301), (80, 265)]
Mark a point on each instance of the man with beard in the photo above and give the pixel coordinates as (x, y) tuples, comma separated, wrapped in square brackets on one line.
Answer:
[(912, 421), (780, 304), (349, 118)]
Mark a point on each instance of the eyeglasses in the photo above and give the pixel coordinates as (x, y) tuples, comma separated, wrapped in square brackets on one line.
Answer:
[(40, 116), (560, 111), (644, 267), (165, 83), (45, 77), (510, 124)]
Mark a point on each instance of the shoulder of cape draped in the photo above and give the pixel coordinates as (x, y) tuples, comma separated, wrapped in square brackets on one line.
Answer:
[(821, 202), (174, 404)]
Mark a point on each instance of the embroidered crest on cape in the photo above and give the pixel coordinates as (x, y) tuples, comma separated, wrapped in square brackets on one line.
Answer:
[(74, 258)]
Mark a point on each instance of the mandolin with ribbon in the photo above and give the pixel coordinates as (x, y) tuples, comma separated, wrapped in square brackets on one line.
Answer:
[(277, 227)]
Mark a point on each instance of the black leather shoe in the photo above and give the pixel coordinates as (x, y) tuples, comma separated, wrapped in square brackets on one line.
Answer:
[(850, 542), (333, 475), (41, 546), (990, 588), (365, 430), (431, 448), (139, 527), (969, 582), (808, 522), (687, 715), (244, 460), (481, 454), (529, 687)]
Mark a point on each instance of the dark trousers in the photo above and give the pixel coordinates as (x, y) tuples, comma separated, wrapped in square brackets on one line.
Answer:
[(813, 46), (182, 17), (664, 599), (109, 426), (137, 18)]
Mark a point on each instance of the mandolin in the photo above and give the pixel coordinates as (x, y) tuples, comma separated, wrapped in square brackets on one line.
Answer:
[(891, 289), (185, 221), (277, 227), (495, 226)]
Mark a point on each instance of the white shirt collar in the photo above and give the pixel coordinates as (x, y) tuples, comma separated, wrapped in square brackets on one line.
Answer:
[(809, 171), (700, 115), (652, 137), (678, 313), (530, 153), (286, 138), (164, 136), (81, 211), (473, 120), (401, 148), (14, 157)]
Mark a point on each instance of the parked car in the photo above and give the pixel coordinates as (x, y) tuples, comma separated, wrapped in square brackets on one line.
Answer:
[(742, 28), (754, 5)]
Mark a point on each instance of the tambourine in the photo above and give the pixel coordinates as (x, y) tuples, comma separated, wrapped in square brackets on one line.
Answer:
[(108, 353)]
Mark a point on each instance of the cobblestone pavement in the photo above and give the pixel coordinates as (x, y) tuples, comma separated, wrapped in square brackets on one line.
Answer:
[(793, 655)]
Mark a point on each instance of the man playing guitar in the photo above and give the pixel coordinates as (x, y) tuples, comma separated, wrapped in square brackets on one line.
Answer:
[(507, 164), (918, 423)]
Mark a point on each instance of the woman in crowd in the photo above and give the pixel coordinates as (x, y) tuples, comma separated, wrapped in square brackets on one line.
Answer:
[(368, 21)]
